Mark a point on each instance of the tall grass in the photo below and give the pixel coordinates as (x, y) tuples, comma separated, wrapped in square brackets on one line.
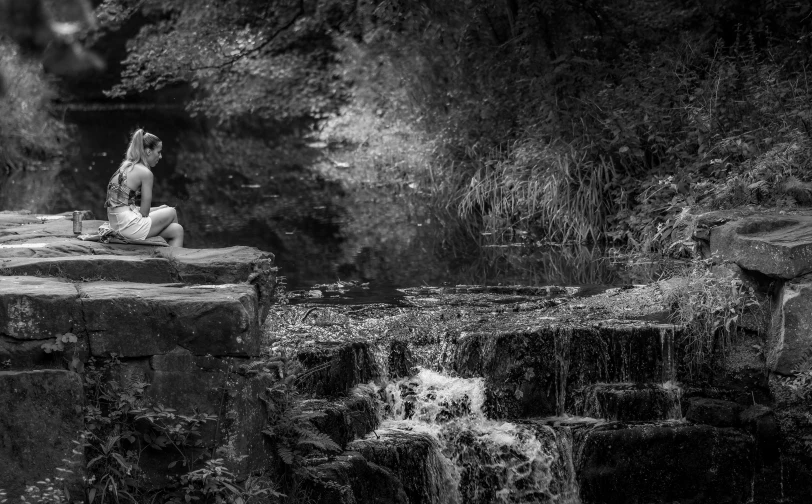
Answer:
[(552, 190)]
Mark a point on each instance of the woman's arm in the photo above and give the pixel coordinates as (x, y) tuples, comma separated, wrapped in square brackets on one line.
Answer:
[(146, 191)]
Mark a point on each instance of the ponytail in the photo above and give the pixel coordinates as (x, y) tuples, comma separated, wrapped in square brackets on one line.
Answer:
[(137, 150)]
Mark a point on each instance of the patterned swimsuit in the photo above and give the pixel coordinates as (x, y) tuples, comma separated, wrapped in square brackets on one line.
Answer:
[(118, 193), (122, 212)]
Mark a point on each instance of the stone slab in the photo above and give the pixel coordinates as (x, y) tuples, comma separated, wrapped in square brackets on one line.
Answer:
[(538, 371), (628, 402), (779, 246), (95, 267), (40, 417), (668, 462), (34, 308), (52, 239), (136, 320)]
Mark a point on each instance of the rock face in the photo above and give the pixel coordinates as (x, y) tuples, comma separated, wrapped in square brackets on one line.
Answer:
[(779, 246), (352, 479), (191, 384), (40, 417), (664, 463), (136, 320), (183, 324), (335, 369), (128, 319), (791, 332), (37, 308), (715, 412), (628, 402), (415, 459), (536, 372)]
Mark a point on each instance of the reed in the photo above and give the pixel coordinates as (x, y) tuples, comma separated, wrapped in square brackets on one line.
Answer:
[(553, 190)]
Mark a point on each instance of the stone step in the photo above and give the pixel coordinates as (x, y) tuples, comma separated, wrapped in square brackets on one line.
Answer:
[(49, 248), (628, 402), (416, 460), (128, 319), (618, 463), (40, 417), (539, 370)]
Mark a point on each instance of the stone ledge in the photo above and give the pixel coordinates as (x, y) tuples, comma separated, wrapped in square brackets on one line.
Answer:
[(132, 319), (135, 320), (664, 462)]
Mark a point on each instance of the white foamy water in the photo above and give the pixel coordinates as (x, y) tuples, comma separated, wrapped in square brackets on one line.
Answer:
[(485, 461)]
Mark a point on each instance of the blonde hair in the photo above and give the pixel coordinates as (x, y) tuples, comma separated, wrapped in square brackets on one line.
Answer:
[(136, 152)]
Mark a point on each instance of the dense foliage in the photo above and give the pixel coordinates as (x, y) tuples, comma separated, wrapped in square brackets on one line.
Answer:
[(569, 120)]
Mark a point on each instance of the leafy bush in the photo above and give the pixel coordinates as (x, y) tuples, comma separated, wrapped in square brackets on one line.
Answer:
[(710, 307), (28, 133)]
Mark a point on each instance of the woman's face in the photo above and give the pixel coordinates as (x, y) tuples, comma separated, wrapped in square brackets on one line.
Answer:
[(154, 155)]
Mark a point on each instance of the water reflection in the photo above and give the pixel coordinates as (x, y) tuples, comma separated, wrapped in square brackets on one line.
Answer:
[(262, 191)]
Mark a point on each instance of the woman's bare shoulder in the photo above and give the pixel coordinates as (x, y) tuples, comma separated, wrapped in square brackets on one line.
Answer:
[(141, 171)]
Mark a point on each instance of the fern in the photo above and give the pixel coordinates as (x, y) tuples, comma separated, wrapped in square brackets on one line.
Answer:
[(319, 440), (290, 427), (285, 454)]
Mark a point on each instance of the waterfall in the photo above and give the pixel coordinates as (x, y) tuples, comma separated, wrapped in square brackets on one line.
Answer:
[(479, 460)]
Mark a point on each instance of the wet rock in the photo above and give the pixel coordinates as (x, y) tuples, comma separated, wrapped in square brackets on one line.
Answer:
[(414, 458), (134, 320), (40, 417), (664, 463), (716, 412), (790, 342), (351, 479), (511, 462), (762, 423), (333, 369), (37, 308), (346, 419), (535, 372), (628, 402), (401, 360), (774, 245)]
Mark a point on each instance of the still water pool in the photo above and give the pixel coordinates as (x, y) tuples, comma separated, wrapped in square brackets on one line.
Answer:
[(322, 230)]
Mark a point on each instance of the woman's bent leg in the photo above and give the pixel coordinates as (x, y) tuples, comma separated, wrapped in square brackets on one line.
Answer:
[(173, 234), (165, 224)]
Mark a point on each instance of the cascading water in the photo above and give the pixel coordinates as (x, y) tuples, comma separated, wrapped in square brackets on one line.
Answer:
[(481, 460)]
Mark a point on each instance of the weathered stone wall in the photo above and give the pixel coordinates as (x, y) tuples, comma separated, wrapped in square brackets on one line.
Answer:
[(185, 324)]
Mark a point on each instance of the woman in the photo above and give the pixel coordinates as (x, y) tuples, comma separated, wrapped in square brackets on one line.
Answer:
[(134, 176)]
